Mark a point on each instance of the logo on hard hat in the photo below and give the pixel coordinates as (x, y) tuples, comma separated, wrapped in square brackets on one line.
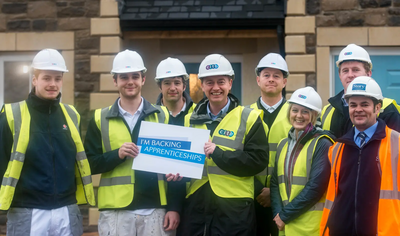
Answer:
[(302, 96), (53, 64), (168, 72), (359, 87), (226, 132), (347, 53), (212, 66), (127, 66), (273, 63)]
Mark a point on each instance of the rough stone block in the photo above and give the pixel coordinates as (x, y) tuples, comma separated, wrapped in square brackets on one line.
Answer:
[(7, 41), (19, 25), (313, 7), (99, 100), (42, 9), (295, 44), (3, 25), (110, 44), (108, 8), (384, 36), (74, 23), (301, 63), (295, 81), (339, 5), (71, 12), (334, 36), (14, 8), (44, 25), (88, 43), (349, 18), (326, 20), (311, 80), (295, 7), (104, 26), (300, 25), (93, 8), (394, 20), (396, 3), (101, 63), (38, 41), (376, 17), (369, 3)]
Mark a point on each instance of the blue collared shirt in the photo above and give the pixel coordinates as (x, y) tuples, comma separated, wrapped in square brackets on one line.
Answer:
[(220, 113), (344, 101), (369, 132)]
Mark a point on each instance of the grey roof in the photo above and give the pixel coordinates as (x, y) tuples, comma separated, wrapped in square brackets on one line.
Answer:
[(271, 12)]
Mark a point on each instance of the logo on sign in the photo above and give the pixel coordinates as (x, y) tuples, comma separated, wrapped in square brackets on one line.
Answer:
[(359, 87), (212, 66), (302, 96), (347, 53), (226, 132)]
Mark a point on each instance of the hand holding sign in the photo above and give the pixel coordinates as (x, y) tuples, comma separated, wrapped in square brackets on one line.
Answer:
[(128, 150), (209, 148)]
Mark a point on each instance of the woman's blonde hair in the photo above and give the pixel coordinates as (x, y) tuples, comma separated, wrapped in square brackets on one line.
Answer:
[(313, 114)]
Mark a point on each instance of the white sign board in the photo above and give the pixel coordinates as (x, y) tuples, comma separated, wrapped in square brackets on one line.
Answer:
[(172, 149)]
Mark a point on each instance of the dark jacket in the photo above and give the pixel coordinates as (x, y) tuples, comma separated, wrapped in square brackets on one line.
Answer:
[(341, 122), (146, 193), (48, 175), (180, 118), (316, 185), (355, 211)]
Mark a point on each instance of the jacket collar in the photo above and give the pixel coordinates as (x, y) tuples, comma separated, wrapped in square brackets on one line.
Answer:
[(336, 101), (42, 105), (379, 134), (148, 109), (200, 116), (260, 106), (188, 100)]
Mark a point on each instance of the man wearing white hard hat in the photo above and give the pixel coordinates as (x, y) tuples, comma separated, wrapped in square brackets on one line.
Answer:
[(221, 203), (354, 61), (44, 167), (131, 202), (172, 79), (272, 73), (363, 193)]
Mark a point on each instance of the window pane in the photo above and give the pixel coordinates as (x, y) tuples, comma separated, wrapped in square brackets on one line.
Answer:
[(16, 81)]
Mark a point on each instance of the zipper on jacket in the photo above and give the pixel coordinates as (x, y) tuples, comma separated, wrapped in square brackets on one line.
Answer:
[(378, 163), (52, 154), (355, 200)]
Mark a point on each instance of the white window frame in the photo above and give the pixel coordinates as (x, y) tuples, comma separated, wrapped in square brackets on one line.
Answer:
[(14, 57), (376, 51)]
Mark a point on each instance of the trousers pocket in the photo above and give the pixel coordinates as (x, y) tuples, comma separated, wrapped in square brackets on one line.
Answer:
[(75, 220), (19, 221)]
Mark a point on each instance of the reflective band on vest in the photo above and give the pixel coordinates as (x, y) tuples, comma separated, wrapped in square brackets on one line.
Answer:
[(278, 131), (116, 188), (308, 222), (239, 121), (389, 208), (18, 118)]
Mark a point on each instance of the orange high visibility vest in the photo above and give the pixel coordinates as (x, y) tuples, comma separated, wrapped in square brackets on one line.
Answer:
[(389, 198)]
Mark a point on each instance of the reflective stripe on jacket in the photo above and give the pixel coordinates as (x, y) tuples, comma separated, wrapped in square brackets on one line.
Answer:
[(229, 135), (307, 223), (278, 131), (19, 120), (116, 188), (389, 199)]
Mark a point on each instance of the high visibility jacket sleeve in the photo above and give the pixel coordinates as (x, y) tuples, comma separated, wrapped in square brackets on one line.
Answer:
[(276, 200), (315, 187), (99, 162), (391, 116), (251, 160), (6, 141)]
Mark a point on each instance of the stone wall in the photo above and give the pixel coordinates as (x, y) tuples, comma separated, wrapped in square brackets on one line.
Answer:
[(58, 16)]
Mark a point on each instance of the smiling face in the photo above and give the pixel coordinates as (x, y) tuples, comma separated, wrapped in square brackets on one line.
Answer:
[(271, 82), (363, 112), (216, 88), (300, 116), (129, 84), (47, 83), (172, 89), (349, 70)]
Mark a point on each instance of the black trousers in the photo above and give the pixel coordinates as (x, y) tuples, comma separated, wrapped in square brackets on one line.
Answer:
[(206, 212), (265, 224)]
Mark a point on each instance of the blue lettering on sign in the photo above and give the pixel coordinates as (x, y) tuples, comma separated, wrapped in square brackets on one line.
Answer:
[(359, 87), (348, 53), (173, 154), (212, 66), (302, 96), (176, 144), (226, 132)]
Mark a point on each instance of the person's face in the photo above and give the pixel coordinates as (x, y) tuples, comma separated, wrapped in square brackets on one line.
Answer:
[(48, 84), (349, 70), (216, 88), (129, 84), (172, 89), (271, 81), (362, 112), (299, 117)]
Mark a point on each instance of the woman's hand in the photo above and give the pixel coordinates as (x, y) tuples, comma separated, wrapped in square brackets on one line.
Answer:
[(279, 223)]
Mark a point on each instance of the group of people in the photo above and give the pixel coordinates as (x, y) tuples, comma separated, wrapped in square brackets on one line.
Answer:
[(286, 167)]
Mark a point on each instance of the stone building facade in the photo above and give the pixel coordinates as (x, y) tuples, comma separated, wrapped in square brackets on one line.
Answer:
[(88, 34)]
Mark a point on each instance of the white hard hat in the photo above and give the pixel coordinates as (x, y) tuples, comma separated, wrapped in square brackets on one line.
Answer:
[(364, 86), (171, 67), (49, 59), (273, 60), (215, 64), (354, 53), (128, 61), (307, 97)]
